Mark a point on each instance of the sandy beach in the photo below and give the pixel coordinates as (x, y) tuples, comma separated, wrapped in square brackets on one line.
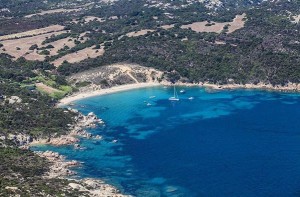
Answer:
[(111, 90), (291, 87), (105, 189)]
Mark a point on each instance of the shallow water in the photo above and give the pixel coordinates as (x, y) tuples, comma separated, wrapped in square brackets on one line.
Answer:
[(222, 143)]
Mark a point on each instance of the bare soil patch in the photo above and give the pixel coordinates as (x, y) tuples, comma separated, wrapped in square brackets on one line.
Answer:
[(61, 10), (237, 23), (216, 27), (20, 47), (113, 17), (80, 55), (69, 42), (117, 74), (88, 19), (166, 27), (139, 33), (52, 28), (296, 19), (220, 42), (46, 88)]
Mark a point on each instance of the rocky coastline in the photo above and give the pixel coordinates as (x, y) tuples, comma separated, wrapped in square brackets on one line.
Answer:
[(289, 87), (75, 130), (62, 168)]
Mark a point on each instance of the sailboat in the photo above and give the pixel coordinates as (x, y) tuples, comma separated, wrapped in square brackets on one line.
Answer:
[(175, 97)]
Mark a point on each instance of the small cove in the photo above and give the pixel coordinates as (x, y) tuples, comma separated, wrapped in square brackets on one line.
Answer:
[(221, 143)]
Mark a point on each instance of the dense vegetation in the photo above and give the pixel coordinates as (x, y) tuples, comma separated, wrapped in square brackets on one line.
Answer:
[(21, 174), (264, 50), (267, 50), (20, 170), (35, 114)]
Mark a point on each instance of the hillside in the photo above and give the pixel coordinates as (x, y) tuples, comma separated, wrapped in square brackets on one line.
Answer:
[(50, 49), (244, 41)]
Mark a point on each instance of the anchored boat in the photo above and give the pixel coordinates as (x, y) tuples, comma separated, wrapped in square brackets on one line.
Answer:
[(175, 96)]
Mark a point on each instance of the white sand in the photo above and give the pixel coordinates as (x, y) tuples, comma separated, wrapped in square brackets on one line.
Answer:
[(111, 90), (291, 87)]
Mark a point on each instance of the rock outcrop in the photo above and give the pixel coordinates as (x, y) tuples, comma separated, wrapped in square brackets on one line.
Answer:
[(75, 130), (18, 139), (60, 168)]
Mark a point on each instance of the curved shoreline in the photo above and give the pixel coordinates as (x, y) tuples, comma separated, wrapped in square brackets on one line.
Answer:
[(111, 90), (268, 87), (291, 87)]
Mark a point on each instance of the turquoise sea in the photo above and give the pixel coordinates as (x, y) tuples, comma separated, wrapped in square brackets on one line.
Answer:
[(239, 143)]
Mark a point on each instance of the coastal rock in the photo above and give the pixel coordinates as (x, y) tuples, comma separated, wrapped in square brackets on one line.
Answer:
[(91, 114), (60, 167), (88, 121), (92, 183), (14, 99), (20, 139), (76, 186), (289, 87), (63, 140), (72, 110), (11, 188), (76, 145), (96, 188)]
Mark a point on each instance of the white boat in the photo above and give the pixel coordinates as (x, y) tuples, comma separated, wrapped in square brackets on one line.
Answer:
[(175, 97), (191, 98), (182, 91), (152, 97), (149, 104)]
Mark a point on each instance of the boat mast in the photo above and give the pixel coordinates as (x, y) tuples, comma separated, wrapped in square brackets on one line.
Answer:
[(174, 91)]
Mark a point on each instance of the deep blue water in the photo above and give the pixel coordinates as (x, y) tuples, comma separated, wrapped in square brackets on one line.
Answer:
[(222, 143)]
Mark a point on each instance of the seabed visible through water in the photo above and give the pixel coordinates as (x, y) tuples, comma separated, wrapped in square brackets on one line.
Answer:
[(221, 143)]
